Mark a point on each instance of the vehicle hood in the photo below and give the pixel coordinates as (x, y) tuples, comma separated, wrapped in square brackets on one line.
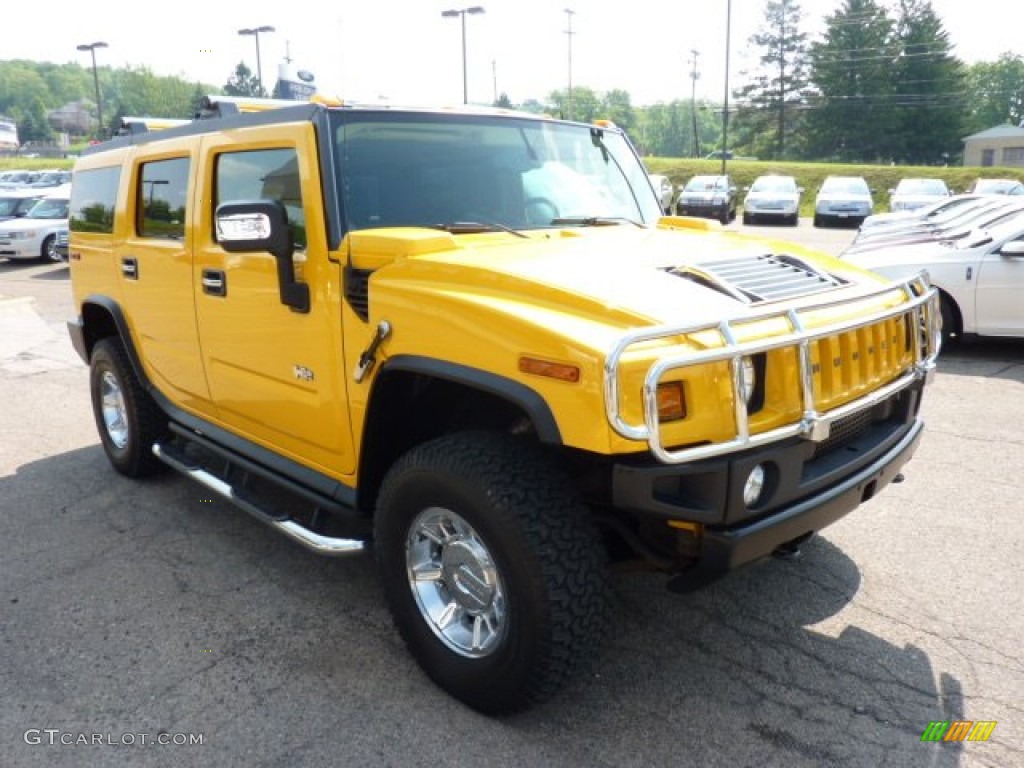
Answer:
[(907, 260), (20, 225), (917, 199), (619, 276), (843, 197), (769, 195)]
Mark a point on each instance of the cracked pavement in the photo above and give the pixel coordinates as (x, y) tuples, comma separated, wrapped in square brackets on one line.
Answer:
[(142, 607)]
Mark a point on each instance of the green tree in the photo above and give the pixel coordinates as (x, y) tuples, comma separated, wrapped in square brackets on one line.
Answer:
[(503, 101), (768, 115), (586, 106), (995, 93), (929, 100), (616, 106), (852, 115), (243, 83)]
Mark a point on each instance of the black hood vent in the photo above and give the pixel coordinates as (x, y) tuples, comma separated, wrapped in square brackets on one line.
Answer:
[(757, 279)]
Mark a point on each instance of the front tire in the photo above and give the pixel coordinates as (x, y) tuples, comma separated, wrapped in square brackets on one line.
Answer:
[(128, 420), (951, 330), (48, 251), (493, 571)]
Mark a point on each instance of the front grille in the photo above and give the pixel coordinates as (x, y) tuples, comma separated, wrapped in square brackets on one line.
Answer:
[(845, 430), (850, 364), (767, 277)]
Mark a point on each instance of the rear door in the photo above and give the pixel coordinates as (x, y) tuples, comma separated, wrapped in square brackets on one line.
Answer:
[(155, 266)]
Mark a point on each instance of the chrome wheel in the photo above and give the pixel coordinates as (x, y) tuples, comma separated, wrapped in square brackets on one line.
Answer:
[(455, 582), (115, 414)]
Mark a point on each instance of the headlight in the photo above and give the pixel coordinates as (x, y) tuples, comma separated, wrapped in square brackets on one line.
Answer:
[(25, 234)]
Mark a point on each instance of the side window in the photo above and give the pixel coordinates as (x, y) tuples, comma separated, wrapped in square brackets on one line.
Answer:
[(93, 196), (263, 174), (161, 198)]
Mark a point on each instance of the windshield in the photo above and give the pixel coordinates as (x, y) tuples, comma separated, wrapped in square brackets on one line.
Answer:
[(49, 209), (409, 169), (12, 206), (835, 186), (774, 184), (706, 184), (922, 187), (1005, 228)]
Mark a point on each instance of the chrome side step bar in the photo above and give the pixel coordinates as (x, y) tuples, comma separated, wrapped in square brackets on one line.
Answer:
[(323, 545)]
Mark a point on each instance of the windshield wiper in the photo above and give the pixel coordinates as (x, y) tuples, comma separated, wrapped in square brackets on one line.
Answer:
[(593, 221), (472, 227)]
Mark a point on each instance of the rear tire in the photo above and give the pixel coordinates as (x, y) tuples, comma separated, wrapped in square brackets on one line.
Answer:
[(494, 573), (127, 418)]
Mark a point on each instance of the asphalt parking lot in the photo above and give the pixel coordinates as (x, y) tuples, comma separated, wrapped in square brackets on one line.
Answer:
[(144, 612)]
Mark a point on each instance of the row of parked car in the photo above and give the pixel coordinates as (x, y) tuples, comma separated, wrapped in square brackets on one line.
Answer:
[(841, 200), (971, 246), (31, 221), (21, 179)]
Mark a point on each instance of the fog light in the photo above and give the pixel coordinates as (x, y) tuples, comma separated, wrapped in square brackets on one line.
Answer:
[(754, 486), (749, 379)]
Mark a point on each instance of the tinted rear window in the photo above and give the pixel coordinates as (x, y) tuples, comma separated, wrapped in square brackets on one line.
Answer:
[(93, 197)]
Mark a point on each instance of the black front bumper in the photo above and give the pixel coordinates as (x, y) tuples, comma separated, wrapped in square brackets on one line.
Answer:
[(808, 486), (726, 549)]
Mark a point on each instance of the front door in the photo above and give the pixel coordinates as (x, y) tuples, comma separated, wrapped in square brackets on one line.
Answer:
[(275, 374), (1000, 294)]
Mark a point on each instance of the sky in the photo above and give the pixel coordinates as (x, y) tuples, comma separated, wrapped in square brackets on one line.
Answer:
[(404, 51)]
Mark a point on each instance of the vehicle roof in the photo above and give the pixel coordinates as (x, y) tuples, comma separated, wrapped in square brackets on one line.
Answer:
[(221, 113)]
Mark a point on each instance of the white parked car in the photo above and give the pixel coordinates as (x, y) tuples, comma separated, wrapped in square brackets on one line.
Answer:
[(980, 277), (925, 213), (917, 193), (773, 197), (843, 200), (15, 203), (34, 236), (664, 190)]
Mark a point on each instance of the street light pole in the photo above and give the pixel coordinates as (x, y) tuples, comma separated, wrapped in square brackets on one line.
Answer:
[(461, 12), (694, 74), (91, 48), (569, 13), (725, 110), (255, 32)]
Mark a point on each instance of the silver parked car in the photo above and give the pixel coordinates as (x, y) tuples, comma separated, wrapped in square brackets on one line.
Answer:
[(774, 198), (843, 200), (917, 193), (663, 189)]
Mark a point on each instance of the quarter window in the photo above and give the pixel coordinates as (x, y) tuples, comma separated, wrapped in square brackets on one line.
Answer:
[(162, 193), (265, 174), (93, 196)]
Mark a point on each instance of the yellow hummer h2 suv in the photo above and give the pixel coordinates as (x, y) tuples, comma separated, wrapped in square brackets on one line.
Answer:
[(471, 339)]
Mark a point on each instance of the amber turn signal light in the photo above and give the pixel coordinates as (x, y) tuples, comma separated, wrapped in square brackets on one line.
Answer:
[(671, 401), (560, 371)]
